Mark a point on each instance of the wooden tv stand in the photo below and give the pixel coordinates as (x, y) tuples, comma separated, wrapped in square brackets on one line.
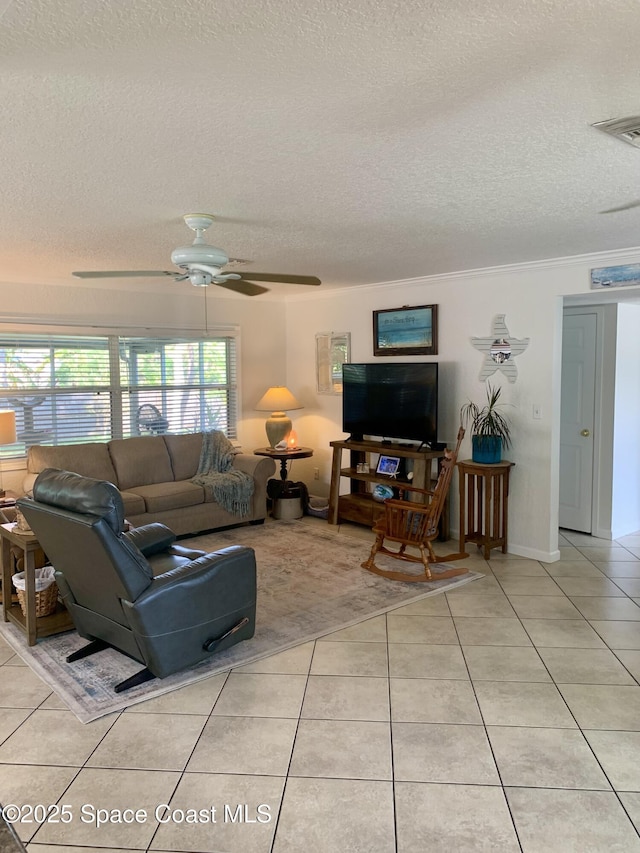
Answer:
[(359, 505)]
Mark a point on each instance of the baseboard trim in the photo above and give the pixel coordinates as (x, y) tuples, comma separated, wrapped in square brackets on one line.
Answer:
[(534, 553), (520, 550)]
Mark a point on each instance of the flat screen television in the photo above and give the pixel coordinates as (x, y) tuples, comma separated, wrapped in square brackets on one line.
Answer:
[(392, 400)]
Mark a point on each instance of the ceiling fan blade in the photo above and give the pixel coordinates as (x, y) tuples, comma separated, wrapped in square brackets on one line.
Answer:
[(629, 206), (123, 274), (245, 287), (286, 279)]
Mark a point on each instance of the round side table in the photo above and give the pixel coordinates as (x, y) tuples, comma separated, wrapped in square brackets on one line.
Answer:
[(286, 497), (284, 456)]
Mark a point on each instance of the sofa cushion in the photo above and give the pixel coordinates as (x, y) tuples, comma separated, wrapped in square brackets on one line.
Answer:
[(89, 460), (133, 504), (140, 461), (159, 497), (184, 451)]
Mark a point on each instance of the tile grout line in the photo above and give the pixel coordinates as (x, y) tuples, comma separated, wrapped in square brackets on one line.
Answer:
[(486, 733)]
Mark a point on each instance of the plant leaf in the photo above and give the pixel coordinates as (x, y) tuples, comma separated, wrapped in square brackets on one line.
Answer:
[(487, 420)]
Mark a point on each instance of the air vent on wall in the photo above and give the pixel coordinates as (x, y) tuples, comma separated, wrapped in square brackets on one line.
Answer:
[(626, 129)]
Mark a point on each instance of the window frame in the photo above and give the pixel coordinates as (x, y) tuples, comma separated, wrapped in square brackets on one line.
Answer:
[(117, 410)]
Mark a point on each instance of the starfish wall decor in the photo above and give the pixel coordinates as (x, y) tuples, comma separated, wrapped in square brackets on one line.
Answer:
[(499, 350)]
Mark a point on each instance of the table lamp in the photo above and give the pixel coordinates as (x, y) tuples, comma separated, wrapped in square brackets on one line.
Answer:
[(277, 400), (7, 435)]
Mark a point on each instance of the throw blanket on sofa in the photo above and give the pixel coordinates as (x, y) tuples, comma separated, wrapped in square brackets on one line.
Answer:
[(231, 488)]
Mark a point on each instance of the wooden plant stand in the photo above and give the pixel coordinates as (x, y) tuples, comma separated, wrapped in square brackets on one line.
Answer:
[(484, 504)]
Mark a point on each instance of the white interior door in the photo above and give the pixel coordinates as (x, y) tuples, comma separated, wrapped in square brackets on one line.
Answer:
[(577, 420)]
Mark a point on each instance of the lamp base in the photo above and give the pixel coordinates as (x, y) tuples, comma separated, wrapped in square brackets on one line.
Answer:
[(278, 426)]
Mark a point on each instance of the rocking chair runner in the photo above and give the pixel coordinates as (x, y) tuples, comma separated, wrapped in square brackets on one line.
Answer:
[(409, 523)]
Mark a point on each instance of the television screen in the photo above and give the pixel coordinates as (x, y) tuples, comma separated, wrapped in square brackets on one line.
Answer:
[(391, 400)]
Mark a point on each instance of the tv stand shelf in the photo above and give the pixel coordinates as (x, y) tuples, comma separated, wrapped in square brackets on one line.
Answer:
[(359, 505)]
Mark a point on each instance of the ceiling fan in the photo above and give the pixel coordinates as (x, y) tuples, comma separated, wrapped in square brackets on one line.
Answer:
[(203, 265)]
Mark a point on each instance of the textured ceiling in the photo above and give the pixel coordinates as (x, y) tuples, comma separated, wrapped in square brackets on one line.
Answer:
[(357, 140)]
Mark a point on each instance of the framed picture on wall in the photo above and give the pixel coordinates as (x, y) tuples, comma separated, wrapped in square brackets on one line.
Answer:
[(406, 331)]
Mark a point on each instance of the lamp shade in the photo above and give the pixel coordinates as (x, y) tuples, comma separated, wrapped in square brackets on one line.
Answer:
[(276, 400), (8, 427)]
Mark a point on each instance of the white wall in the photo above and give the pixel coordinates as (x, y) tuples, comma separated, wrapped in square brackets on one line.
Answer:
[(625, 509), (531, 298), (278, 346), (175, 307)]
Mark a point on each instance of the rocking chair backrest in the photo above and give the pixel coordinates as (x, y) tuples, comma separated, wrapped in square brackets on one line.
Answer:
[(443, 483), (411, 522)]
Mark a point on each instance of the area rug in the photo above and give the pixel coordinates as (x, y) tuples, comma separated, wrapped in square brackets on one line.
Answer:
[(310, 583)]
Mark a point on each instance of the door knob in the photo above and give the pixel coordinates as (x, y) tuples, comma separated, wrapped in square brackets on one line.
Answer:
[(585, 433)]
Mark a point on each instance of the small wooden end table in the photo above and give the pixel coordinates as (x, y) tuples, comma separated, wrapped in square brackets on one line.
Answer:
[(284, 456), (33, 626), (285, 490), (484, 504)]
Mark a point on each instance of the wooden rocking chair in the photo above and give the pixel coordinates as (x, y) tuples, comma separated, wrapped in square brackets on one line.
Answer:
[(409, 523)]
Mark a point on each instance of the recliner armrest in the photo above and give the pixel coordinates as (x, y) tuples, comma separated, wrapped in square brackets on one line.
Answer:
[(216, 583), (151, 538), (201, 567)]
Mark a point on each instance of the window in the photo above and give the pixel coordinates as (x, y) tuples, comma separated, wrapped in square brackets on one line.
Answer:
[(67, 390), (178, 385)]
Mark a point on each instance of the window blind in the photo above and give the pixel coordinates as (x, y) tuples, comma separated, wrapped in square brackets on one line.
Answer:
[(72, 389), (171, 385)]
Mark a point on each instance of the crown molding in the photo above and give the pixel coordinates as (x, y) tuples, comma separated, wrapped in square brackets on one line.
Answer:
[(608, 258)]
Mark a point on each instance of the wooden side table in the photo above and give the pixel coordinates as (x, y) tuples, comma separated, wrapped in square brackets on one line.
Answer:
[(286, 496), (284, 456), (32, 625), (484, 504)]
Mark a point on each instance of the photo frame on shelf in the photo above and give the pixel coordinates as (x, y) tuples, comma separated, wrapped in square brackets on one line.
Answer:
[(406, 331), (388, 465), (333, 349)]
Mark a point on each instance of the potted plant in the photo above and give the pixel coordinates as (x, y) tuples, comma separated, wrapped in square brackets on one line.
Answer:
[(490, 430)]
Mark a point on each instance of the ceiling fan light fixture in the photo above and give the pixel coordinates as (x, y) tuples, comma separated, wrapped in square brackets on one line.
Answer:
[(199, 279)]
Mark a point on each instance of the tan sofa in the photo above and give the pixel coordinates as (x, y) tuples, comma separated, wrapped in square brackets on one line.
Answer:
[(153, 474)]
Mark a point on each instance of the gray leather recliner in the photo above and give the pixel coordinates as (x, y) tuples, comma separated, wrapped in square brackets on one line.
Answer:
[(167, 606)]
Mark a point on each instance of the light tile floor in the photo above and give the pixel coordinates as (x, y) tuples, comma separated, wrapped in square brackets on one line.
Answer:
[(502, 716)]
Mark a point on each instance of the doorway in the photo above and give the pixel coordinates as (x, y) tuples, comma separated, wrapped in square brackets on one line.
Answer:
[(577, 419), (599, 490)]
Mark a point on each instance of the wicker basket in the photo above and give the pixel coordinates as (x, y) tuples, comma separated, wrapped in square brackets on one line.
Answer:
[(46, 600)]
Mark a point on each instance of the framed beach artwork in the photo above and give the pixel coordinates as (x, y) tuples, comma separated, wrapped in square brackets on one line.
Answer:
[(619, 276), (406, 331)]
